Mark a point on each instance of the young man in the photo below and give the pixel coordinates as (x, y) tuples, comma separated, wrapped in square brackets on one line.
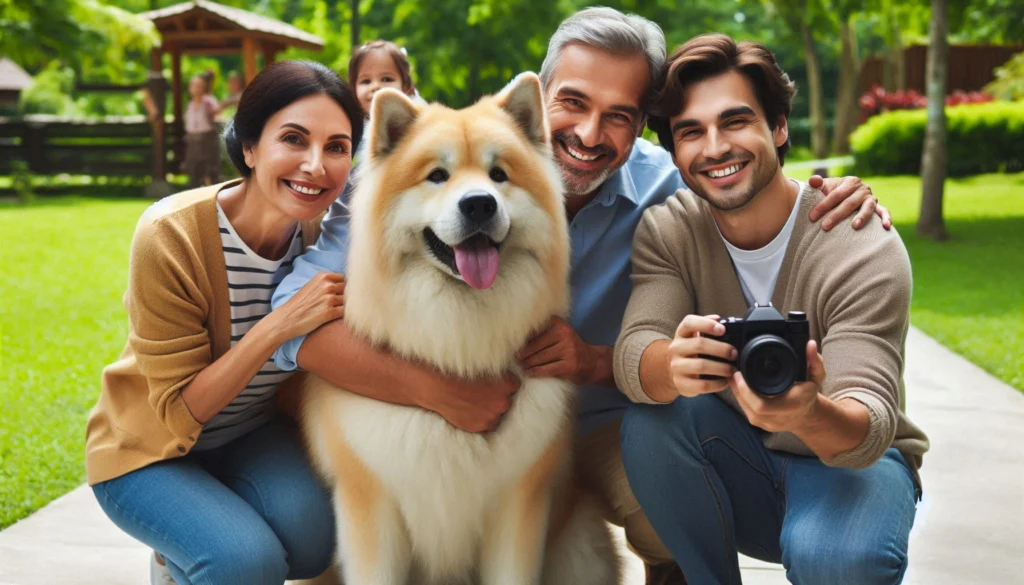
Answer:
[(823, 476), (597, 75)]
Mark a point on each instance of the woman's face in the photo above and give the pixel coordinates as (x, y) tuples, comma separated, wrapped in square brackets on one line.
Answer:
[(376, 71), (303, 157)]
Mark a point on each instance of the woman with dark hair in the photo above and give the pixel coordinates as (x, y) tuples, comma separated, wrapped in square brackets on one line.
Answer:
[(186, 450)]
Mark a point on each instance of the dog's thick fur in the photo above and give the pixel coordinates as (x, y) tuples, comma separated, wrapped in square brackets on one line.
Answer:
[(417, 500)]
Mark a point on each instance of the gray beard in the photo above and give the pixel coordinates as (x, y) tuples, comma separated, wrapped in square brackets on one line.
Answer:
[(573, 188)]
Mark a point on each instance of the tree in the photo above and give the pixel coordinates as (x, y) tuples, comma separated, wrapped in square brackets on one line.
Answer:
[(849, 75), (801, 19), (354, 11), (82, 33), (933, 160)]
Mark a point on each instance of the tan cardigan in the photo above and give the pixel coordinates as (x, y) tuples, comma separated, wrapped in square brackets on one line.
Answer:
[(854, 285), (179, 322)]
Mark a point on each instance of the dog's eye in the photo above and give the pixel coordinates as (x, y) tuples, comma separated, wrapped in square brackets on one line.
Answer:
[(438, 176), (498, 175)]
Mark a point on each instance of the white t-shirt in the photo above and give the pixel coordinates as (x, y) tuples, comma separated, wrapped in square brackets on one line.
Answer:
[(759, 269), (251, 282)]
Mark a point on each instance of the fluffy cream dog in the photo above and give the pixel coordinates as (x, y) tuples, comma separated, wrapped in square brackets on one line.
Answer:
[(459, 252)]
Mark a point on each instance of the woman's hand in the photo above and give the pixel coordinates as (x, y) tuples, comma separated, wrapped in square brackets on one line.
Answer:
[(319, 301)]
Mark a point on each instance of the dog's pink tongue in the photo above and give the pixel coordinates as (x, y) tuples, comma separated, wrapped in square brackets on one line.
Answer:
[(477, 261)]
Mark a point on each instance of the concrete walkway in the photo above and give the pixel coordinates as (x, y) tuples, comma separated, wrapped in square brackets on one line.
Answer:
[(969, 529)]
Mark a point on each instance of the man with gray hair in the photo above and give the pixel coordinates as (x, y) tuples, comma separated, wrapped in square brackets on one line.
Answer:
[(597, 77)]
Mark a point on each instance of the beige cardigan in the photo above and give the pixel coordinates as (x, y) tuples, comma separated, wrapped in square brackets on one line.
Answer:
[(854, 285), (179, 322)]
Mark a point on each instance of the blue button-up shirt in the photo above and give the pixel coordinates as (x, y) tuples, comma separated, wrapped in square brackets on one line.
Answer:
[(601, 236)]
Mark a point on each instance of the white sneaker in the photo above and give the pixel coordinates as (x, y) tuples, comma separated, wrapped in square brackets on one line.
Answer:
[(158, 572)]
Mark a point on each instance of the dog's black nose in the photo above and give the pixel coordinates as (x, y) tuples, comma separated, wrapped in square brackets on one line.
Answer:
[(478, 207)]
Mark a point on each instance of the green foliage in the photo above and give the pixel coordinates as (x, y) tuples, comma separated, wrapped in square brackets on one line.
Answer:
[(981, 138), (86, 34), (461, 49), (1009, 81), (989, 21), (21, 182), (50, 92)]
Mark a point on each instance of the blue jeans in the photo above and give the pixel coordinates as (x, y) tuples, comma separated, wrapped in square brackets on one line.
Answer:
[(711, 488), (251, 512)]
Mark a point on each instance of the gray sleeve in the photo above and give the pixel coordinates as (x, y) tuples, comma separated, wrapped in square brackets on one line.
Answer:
[(660, 299)]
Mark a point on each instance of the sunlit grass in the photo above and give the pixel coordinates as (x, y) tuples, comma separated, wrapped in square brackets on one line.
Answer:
[(65, 264)]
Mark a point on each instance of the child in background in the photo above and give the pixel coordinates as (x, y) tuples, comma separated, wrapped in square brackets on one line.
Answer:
[(379, 64), (202, 142), (373, 66)]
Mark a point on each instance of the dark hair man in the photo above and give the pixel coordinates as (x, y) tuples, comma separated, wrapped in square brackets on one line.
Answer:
[(823, 476)]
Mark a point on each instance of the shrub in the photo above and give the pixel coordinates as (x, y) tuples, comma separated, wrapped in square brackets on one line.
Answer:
[(981, 138), (1009, 81), (50, 92), (21, 181), (877, 100)]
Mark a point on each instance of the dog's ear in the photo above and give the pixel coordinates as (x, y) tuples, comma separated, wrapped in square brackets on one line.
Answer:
[(523, 99), (393, 114)]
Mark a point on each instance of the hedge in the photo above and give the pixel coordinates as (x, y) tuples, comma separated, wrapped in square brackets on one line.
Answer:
[(981, 138)]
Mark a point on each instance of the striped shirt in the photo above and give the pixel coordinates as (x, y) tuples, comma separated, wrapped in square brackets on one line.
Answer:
[(251, 281)]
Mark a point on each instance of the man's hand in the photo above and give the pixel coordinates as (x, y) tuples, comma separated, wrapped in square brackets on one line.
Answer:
[(559, 352), (475, 406), (685, 364), (843, 197), (791, 410)]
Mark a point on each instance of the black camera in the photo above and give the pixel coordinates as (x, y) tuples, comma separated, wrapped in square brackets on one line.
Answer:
[(771, 349)]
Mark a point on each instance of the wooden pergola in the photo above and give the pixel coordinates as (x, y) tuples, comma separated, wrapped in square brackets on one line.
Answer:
[(206, 28)]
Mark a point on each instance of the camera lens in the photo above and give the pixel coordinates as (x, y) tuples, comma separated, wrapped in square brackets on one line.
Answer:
[(768, 364)]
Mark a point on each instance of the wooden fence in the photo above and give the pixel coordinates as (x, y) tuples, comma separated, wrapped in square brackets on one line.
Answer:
[(52, 145), (971, 67)]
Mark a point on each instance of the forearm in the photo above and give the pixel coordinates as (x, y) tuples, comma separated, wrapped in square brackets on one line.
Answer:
[(220, 382), (834, 427), (655, 376), (346, 360)]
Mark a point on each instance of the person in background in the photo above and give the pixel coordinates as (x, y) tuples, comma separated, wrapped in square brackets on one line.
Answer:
[(236, 84), (186, 449), (202, 142)]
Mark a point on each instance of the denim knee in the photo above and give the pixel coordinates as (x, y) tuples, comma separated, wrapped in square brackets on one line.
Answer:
[(311, 558), (654, 434), (853, 563), (244, 560)]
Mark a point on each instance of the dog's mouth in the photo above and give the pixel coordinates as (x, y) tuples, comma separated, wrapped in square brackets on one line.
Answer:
[(475, 259)]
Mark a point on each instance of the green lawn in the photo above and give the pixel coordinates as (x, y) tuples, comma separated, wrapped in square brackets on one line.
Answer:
[(969, 291), (65, 264), (61, 320)]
